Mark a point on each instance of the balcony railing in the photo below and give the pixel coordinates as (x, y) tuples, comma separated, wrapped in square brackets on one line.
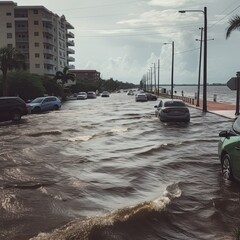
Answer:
[(70, 43), (70, 51), (71, 59), (70, 35)]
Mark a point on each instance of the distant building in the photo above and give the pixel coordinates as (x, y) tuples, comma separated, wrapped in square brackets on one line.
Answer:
[(89, 75), (42, 36)]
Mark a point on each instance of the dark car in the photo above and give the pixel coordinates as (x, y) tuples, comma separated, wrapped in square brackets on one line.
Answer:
[(172, 110), (12, 108), (229, 151), (151, 97)]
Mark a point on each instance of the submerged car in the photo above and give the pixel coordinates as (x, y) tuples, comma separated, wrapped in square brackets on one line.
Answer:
[(229, 151), (41, 104), (141, 97), (105, 94), (82, 95), (91, 94), (151, 97), (12, 109), (172, 110)]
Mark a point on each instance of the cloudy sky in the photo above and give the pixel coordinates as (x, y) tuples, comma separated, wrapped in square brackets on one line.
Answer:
[(123, 39)]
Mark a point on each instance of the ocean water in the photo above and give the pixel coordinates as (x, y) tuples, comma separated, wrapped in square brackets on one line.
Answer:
[(108, 169)]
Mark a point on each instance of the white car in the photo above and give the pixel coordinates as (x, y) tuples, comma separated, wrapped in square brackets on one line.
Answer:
[(141, 97), (82, 95)]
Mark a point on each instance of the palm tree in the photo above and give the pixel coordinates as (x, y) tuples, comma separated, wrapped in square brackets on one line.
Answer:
[(234, 24), (64, 75), (10, 58)]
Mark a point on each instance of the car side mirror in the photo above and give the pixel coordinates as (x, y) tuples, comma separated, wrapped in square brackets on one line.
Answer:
[(226, 134), (155, 106)]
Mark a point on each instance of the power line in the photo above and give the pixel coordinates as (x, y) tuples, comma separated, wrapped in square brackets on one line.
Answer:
[(224, 16)]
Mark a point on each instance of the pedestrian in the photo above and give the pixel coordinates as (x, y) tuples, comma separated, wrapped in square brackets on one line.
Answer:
[(182, 94)]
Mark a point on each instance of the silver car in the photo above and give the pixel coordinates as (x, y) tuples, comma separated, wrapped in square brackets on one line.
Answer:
[(172, 110)]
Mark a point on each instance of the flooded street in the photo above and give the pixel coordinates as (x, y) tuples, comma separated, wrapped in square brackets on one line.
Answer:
[(110, 170)]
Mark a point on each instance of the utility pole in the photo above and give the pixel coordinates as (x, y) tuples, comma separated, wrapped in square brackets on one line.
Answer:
[(158, 74)]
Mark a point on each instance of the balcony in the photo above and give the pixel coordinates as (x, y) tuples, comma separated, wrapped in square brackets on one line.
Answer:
[(70, 35), (22, 29), (71, 66), (48, 51), (21, 40), (70, 51), (48, 40), (49, 72), (71, 59), (48, 30), (48, 61), (70, 43)]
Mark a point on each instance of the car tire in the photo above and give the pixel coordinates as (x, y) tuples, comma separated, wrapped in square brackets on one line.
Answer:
[(226, 167), (16, 116), (56, 107), (36, 110)]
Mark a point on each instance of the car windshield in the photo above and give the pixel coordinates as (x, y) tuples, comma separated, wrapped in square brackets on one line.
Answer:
[(174, 104), (236, 125), (37, 100), (82, 93)]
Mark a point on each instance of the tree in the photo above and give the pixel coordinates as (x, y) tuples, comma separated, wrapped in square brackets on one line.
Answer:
[(10, 59), (25, 85), (64, 76), (234, 24)]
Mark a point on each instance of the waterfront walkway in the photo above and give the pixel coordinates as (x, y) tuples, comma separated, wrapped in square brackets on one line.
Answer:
[(219, 108)]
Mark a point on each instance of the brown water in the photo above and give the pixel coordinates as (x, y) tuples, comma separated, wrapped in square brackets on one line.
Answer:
[(107, 169)]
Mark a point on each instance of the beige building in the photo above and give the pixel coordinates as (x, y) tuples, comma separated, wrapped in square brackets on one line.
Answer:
[(42, 36)]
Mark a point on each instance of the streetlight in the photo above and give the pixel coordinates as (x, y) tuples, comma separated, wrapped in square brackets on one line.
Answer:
[(172, 67), (154, 71), (205, 56)]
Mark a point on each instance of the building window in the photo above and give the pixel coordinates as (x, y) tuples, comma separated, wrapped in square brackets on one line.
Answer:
[(9, 35), (35, 22), (9, 25), (9, 46), (36, 44), (9, 14), (35, 11), (37, 55), (36, 33), (37, 65)]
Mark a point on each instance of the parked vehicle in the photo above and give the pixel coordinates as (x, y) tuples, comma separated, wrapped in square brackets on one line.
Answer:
[(105, 94), (12, 108), (91, 94), (41, 104), (229, 151), (174, 110), (82, 95), (141, 97)]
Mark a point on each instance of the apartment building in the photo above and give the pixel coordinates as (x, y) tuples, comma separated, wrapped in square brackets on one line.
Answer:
[(42, 36)]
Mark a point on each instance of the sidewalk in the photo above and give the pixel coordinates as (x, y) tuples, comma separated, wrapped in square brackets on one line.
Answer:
[(222, 109)]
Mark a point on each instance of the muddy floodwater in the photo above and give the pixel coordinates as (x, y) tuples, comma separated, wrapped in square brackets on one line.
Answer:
[(108, 169)]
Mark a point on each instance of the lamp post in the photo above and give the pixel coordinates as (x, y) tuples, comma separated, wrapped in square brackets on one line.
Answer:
[(199, 70), (204, 57), (158, 75), (172, 72)]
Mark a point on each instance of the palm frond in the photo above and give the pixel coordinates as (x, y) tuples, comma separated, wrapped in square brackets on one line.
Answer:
[(234, 24)]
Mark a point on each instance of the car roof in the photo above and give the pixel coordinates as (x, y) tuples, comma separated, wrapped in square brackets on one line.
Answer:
[(8, 97)]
